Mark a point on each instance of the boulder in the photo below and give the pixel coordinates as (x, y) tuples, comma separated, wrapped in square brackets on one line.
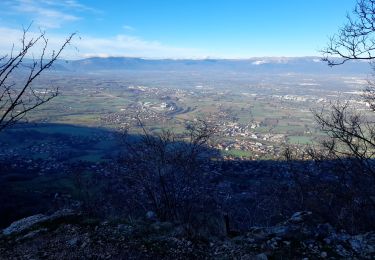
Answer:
[(31, 222), (300, 216), (24, 224)]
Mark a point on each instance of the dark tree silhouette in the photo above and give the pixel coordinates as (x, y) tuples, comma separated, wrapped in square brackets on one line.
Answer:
[(350, 142), (355, 40), (17, 99), (352, 134), (166, 173)]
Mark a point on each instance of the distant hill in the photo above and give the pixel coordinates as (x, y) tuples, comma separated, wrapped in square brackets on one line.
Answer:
[(267, 65)]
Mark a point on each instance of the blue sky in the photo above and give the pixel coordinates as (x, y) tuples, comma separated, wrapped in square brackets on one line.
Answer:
[(178, 28)]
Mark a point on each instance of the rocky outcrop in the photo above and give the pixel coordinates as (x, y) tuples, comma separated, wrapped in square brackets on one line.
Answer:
[(299, 237), (24, 224), (34, 221)]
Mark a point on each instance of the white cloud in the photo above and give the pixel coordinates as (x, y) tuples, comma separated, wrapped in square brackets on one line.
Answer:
[(46, 13), (131, 46), (69, 4), (89, 46), (128, 27), (260, 62), (51, 14)]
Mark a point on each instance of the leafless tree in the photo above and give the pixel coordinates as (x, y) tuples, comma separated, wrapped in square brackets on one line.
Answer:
[(18, 97), (333, 183), (355, 40), (350, 144), (167, 174), (352, 135)]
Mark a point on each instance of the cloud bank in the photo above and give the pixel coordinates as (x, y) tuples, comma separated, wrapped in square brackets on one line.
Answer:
[(89, 46), (54, 15)]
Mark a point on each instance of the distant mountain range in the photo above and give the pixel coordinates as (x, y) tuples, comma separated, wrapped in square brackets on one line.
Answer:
[(267, 65)]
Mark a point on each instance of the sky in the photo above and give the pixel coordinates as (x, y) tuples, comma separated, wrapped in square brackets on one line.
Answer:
[(176, 28)]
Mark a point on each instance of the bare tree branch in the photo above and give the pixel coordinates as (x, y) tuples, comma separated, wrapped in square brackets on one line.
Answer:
[(355, 40), (15, 100)]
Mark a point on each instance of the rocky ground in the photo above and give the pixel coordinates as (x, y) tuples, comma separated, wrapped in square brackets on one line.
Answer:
[(68, 235)]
